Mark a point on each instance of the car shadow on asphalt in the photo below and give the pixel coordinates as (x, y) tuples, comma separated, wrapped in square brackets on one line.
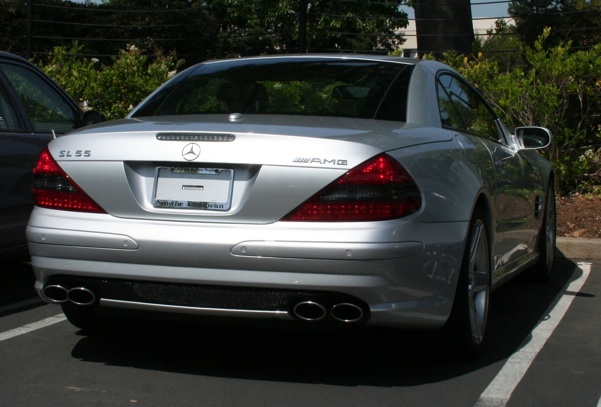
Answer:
[(362, 357), (16, 286)]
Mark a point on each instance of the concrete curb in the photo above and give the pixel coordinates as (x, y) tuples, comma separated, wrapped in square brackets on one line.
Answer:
[(578, 248)]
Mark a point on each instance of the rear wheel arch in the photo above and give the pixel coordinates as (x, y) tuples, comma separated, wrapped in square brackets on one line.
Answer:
[(465, 329), (483, 205), (547, 236)]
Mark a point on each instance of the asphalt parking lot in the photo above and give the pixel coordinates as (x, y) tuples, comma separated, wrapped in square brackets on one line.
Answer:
[(544, 349)]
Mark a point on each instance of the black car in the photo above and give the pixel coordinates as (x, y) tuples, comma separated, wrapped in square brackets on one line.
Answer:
[(33, 110)]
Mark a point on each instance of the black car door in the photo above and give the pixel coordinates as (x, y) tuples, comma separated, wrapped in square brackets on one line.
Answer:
[(32, 111)]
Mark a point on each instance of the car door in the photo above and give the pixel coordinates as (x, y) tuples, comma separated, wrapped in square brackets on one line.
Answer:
[(32, 111), (513, 180)]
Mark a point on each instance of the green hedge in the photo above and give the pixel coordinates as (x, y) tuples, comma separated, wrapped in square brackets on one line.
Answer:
[(112, 88)]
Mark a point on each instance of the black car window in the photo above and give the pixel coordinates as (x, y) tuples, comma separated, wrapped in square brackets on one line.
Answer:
[(320, 87), (46, 109), (462, 108), (8, 116), (394, 104)]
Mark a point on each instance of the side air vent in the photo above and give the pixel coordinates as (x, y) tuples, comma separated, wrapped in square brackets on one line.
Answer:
[(215, 137)]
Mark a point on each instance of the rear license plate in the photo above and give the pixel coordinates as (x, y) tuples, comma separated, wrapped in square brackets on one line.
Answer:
[(193, 188)]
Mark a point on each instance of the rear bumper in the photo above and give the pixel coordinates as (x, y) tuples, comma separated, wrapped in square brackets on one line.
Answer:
[(408, 284)]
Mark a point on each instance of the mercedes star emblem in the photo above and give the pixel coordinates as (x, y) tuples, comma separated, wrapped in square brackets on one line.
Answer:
[(191, 152)]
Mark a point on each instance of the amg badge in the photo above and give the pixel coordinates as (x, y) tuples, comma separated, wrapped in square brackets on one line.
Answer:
[(322, 161)]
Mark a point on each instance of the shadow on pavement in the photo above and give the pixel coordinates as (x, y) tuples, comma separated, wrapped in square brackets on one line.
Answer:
[(16, 287), (374, 357)]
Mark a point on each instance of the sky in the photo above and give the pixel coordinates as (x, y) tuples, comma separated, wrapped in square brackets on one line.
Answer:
[(480, 9)]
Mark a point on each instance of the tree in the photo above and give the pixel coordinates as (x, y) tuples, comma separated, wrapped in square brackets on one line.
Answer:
[(502, 45), (445, 26), (272, 26), (203, 29), (575, 21), (185, 27)]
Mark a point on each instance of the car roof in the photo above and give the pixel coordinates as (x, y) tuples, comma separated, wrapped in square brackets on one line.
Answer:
[(429, 65), (366, 57), (8, 55)]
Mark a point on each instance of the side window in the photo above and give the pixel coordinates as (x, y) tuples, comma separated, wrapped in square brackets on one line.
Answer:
[(8, 117), (47, 109), (464, 109)]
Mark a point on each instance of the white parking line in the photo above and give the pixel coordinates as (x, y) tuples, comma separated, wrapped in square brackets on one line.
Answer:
[(32, 327), (499, 391)]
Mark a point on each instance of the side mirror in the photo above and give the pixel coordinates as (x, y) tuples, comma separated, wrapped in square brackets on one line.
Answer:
[(533, 138)]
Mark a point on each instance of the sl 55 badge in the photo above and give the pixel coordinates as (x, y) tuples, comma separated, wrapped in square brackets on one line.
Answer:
[(74, 153)]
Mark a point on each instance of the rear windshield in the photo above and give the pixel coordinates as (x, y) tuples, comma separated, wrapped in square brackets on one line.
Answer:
[(316, 87)]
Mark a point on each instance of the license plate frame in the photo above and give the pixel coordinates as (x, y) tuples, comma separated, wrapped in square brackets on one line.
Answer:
[(193, 188)]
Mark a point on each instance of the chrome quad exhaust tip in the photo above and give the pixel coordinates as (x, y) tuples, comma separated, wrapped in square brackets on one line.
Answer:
[(309, 311), (55, 294), (345, 312), (58, 294)]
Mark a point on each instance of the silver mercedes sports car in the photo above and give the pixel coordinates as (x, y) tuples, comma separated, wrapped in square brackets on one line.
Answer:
[(322, 190)]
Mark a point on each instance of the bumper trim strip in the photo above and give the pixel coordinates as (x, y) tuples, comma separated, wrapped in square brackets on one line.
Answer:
[(105, 302)]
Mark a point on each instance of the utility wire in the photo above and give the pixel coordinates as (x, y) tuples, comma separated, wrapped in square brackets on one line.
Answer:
[(142, 12)]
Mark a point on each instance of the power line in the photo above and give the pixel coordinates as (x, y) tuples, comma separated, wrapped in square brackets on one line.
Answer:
[(79, 24), (43, 23), (102, 8), (484, 3)]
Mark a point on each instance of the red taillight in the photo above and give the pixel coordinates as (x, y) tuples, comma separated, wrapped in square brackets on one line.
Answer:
[(378, 189), (54, 189)]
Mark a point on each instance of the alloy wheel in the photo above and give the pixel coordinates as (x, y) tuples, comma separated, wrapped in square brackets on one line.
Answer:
[(478, 289)]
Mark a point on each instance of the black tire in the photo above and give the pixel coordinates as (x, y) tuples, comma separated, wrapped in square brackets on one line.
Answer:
[(466, 327), (547, 238)]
